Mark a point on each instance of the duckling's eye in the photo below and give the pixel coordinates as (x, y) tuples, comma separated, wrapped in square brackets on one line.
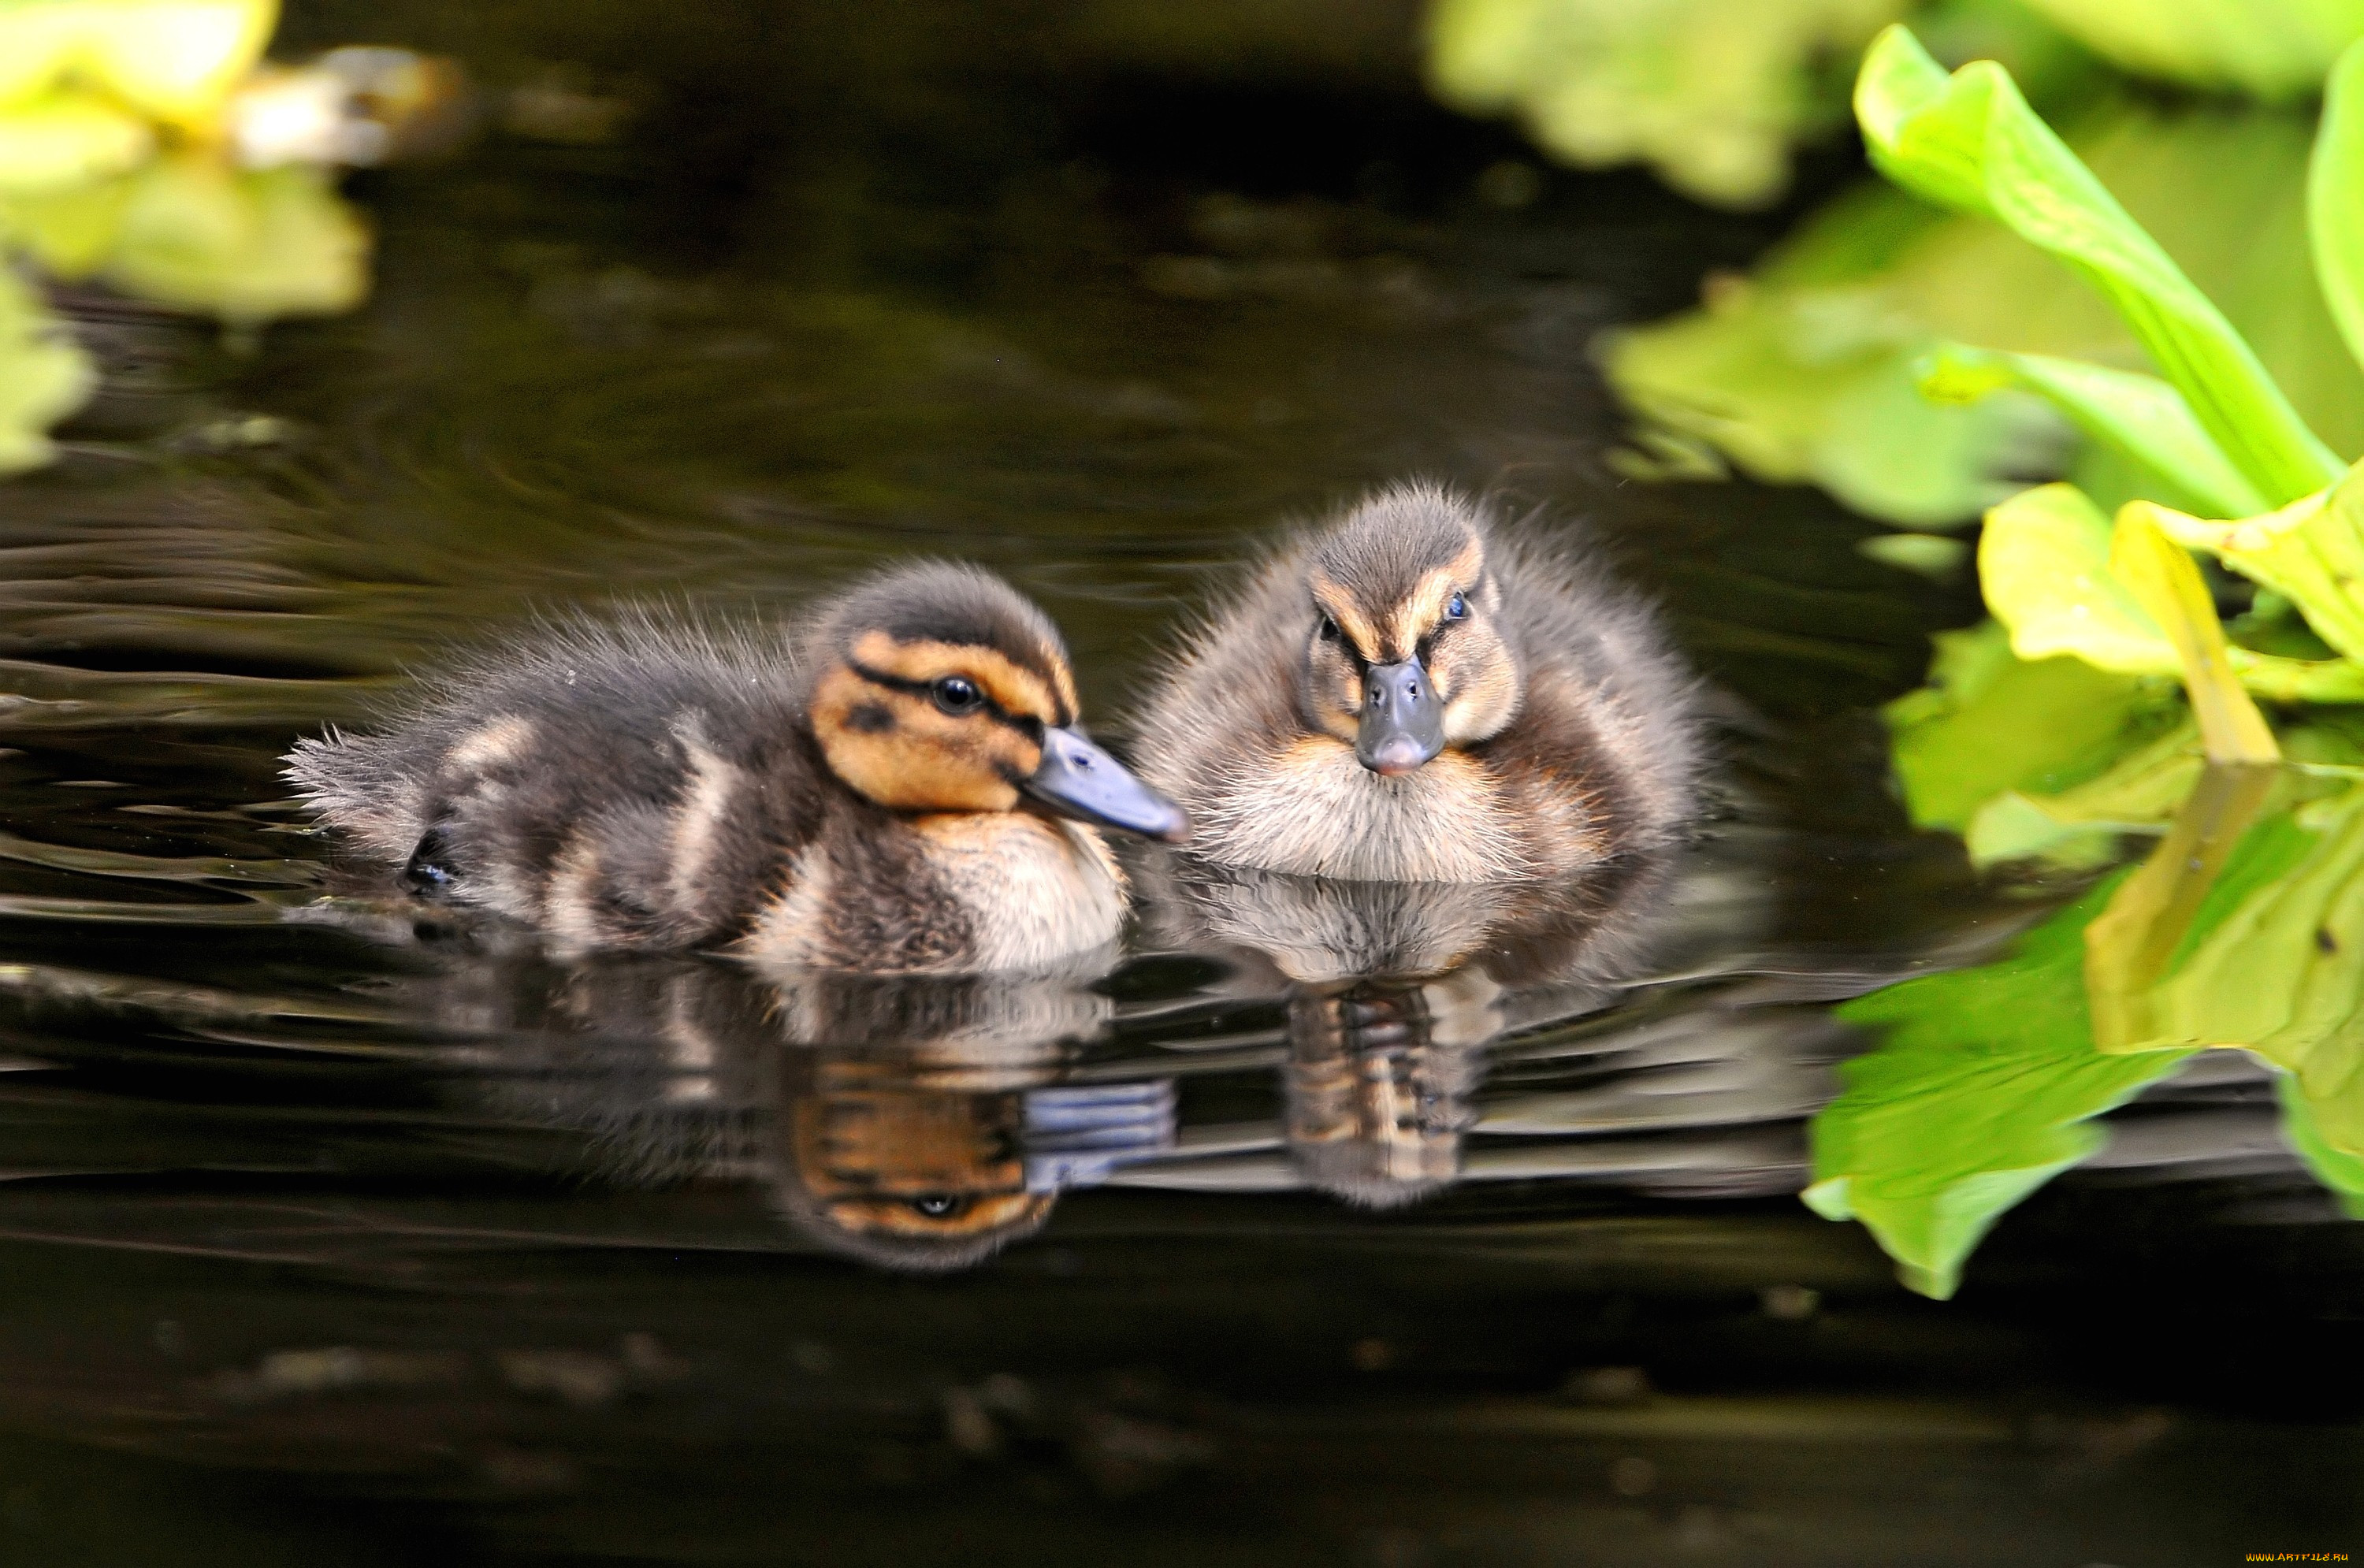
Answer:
[(957, 694), (1328, 630), (941, 1206), (1457, 609)]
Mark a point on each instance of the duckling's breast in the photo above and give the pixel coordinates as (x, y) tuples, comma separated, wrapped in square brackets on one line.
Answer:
[(959, 893), (1035, 890), (1314, 810)]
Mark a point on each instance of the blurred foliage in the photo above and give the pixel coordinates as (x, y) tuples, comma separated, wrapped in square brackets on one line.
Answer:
[(2268, 48), (1711, 92), (2244, 929), (1714, 94), (1808, 371), (43, 377), (129, 156)]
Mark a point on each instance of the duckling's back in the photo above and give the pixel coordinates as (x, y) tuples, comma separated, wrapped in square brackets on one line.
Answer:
[(627, 785), (1604, 681)]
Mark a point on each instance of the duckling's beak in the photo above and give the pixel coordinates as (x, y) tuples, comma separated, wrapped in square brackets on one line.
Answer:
[(1077, 779), (1403, 721)]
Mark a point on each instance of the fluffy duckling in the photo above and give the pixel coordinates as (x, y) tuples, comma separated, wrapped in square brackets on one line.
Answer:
[(1413, 694), (897, 789)]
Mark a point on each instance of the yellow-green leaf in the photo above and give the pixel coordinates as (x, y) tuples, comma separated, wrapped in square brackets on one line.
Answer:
[(1969, 141), (2140, 416), (2045, 568), (2163, 578), (245, 246), (44, 375), (65, 139)]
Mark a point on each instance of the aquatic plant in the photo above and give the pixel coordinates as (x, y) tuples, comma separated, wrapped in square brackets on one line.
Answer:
[(145, 146), (2244, 928), (2053, 730), (1713, 94)]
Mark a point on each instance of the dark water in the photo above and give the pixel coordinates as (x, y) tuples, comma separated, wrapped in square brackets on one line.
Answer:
[(334, 1236)]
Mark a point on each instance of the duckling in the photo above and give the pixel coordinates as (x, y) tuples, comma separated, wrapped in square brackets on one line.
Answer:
[(1415, 693), (899, 786)]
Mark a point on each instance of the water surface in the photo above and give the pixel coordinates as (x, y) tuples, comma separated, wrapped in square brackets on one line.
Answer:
[(338, 1233)]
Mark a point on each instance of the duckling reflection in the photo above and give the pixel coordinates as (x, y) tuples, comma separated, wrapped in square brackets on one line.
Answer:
[(1394, 990), (915, 1123)]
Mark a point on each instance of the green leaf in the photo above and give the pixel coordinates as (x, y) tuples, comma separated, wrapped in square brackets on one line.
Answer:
[(2044, 566), (1990, 723), (57, 142), (43, 375), (2270, 49), (1969, 141), (2140, 416), (2277, 964), (1812, 385), (1976, 1096), (1805, 370), (2138, 792), (2311, 551), (69, 233), (2334, 203), (245, 246)]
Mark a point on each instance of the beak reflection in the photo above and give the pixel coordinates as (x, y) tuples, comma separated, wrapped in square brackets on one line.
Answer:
[(1403, 719), (1077, 779)]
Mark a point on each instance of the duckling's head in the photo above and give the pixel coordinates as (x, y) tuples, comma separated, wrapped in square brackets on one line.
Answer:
[(1405, 653), (938, 688)]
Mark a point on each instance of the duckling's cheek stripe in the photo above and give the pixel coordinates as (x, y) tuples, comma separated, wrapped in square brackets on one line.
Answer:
[(869, 718), (1341, 607)]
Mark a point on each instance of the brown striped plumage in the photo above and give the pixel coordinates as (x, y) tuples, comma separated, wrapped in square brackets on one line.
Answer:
[(810, 795)]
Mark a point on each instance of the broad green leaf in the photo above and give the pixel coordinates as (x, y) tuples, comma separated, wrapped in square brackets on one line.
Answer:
[(66, 139), (2078, 825), (2163, 578), (2334, 201), (2270, 49), (244, 246), (1969, 141), (1989, 722), (43, 375), (1976, 1094), (2141, 416)]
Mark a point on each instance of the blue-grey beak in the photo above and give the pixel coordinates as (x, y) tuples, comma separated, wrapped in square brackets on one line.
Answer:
[(1077, 779), (1403, 720)]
